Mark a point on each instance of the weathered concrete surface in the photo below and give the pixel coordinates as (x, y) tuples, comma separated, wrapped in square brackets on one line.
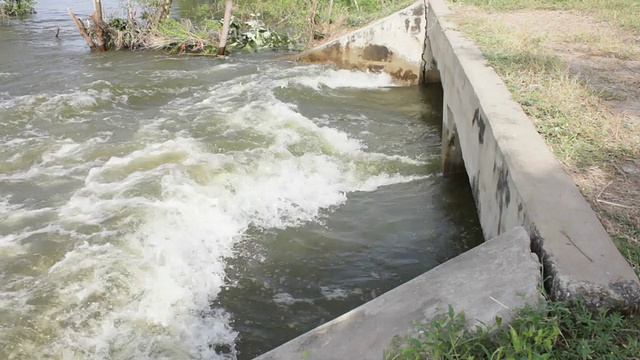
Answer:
[(393, 45), (516, 180), (501, 272)]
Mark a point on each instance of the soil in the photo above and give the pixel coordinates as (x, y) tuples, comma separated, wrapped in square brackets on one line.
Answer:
[(605, 55)]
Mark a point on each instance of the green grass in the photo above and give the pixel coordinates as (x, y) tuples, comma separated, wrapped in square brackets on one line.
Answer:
[(294, 16), (553, 330), (625, 13), (568, 113), (17, 8), (630, 251), (626, 237), (583, 134)]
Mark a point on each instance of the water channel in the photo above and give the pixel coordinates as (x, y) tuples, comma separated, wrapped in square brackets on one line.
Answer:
[(176, 207)]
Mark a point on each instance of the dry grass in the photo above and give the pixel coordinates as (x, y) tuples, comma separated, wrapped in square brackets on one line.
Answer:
[(561, 73), (625, 13)]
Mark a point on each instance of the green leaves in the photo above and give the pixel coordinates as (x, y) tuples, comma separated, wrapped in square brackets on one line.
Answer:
[(17, 8), (553, 330), (255, 35)]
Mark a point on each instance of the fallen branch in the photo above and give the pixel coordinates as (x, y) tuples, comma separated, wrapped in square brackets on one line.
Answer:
[(603, 189), (615, 204)]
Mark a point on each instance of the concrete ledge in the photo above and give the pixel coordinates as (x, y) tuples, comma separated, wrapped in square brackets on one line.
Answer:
[(516, 180), (502, 269), (393, 45)]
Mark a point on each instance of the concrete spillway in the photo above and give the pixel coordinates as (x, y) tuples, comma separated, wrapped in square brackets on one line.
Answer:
[(520, 190)]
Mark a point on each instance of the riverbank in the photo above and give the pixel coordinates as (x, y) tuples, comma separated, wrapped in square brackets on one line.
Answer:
[(309, 22), (263, 197), (577, 76), (253, 25), (573, 68)]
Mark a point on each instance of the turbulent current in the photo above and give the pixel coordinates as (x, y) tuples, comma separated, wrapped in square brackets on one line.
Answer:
[(158, 207)]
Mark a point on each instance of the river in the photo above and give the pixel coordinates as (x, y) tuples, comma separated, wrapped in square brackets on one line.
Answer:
[(177, 207)]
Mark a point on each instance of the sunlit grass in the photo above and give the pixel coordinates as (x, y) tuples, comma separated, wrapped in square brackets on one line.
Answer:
[(623, 12)]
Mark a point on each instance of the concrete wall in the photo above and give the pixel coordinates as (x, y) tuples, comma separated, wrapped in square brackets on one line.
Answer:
[(523, 196), (515, 178), (391, 45), (485, 282)]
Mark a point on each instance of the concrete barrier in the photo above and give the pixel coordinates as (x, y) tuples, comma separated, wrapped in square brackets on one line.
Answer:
[(391, 45), (485, 282), (516, 183), (516, 180)]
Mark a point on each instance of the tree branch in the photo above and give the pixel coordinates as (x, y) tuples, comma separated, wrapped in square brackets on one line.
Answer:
[(82, 29)]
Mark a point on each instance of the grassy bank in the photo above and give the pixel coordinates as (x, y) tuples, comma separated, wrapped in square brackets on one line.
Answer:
[(309, 21), (254, 25), (625, 13), (552, 330), (571, 114), (297, 23), (556, 74)]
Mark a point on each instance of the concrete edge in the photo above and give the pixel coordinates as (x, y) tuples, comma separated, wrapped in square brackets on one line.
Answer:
[(497, 276), (516, 179), (391, 45)]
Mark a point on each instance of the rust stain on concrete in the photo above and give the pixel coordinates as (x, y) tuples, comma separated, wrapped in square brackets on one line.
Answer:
[(374, 58), (393, 47)]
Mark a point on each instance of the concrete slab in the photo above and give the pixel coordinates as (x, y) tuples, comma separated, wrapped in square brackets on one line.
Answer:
[(481, 282), (393, 45), (516, 180)]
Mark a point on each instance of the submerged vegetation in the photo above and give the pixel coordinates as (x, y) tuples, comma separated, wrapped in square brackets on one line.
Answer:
[(552, 330)]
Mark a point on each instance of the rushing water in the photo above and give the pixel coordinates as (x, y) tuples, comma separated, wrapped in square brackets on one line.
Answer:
[(159, 207)]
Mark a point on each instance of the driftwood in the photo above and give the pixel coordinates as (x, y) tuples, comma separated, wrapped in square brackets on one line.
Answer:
[(97, 8), (100, 39), (225, 27), (82, 29), (102, 33)]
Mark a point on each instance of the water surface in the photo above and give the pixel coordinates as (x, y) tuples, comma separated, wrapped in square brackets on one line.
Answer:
[(163, 207)]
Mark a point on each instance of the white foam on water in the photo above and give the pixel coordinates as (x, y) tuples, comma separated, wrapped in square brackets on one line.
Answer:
[(314, 77), (284, 299), (335, 79), (185, 233), (68, 149), (48, 105), (15, 213), (169, 74), (333, 293), (165, 218)]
